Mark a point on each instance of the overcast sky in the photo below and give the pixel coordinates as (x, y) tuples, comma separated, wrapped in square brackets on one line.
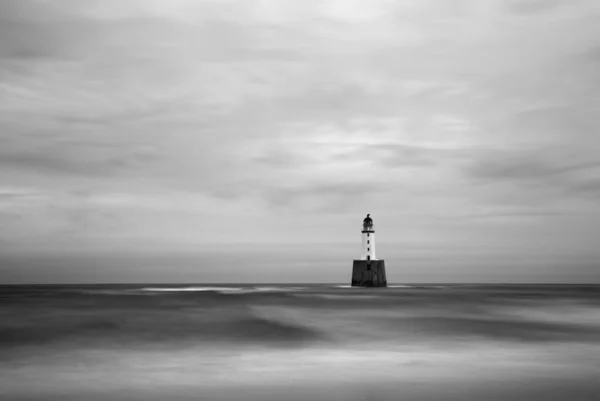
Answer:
[(468, 129)]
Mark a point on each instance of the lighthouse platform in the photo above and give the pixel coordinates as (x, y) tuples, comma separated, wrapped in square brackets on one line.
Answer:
[(369, 273)]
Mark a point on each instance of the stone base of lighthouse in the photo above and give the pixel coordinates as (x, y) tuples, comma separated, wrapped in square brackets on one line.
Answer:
[(369, 273)]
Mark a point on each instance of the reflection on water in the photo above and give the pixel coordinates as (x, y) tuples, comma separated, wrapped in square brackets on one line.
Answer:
[(443, 342)]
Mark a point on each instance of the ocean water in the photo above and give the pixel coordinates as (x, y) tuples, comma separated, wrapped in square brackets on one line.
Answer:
[(300, 342)]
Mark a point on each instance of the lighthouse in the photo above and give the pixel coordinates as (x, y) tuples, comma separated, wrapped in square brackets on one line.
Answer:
[(368, 271)]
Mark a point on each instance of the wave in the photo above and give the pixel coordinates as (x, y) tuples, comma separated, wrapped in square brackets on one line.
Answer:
[(179, 289), (104, 292), (355, 297), (178, 325), (395, 286), (223, 290), (284, 289)]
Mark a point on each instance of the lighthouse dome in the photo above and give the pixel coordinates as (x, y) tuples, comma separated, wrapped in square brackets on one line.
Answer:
[(368, 223)]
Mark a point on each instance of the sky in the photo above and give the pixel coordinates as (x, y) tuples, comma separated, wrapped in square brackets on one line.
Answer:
[(247, 139)]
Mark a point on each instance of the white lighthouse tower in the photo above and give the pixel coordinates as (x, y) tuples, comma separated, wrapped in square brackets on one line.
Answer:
[(368, 239), (368, 271)]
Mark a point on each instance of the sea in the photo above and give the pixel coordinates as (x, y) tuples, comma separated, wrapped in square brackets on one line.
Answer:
[(300, 342)]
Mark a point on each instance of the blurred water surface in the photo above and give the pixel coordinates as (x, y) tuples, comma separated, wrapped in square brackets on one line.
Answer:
[(300, 342)]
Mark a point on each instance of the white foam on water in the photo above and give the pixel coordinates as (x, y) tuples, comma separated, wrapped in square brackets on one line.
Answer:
[(284, 289), (237, 290), (389, 286), (339, 296), (190, 289)]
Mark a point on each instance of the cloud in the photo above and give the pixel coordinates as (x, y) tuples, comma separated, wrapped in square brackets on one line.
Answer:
[(76, 158), (527, 166), (533, 6), (549, 168), (48, 164), (329, 197)]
